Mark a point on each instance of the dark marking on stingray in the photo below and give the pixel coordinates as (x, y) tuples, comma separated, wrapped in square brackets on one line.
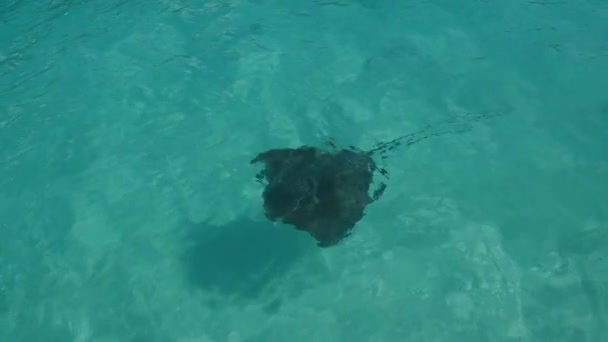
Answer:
[(325, 193)]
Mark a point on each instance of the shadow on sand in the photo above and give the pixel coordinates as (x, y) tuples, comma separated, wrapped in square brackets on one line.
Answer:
[(242, 261)]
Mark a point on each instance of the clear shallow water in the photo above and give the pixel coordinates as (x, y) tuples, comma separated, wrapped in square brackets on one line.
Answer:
[(128, 209)]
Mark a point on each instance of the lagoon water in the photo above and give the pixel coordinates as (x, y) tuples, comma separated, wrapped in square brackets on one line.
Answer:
[(129, 211)]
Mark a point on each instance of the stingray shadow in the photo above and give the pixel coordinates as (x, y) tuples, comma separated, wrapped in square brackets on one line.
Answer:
[(240, 261)]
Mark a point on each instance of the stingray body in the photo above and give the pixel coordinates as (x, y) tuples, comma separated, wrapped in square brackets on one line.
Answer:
[(326, 192), (322, 192)]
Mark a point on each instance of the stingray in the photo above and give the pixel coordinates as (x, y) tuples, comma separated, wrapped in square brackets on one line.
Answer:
[(325, 191)]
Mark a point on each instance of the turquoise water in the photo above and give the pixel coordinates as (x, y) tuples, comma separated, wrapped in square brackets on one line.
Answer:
[(129, 210)]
